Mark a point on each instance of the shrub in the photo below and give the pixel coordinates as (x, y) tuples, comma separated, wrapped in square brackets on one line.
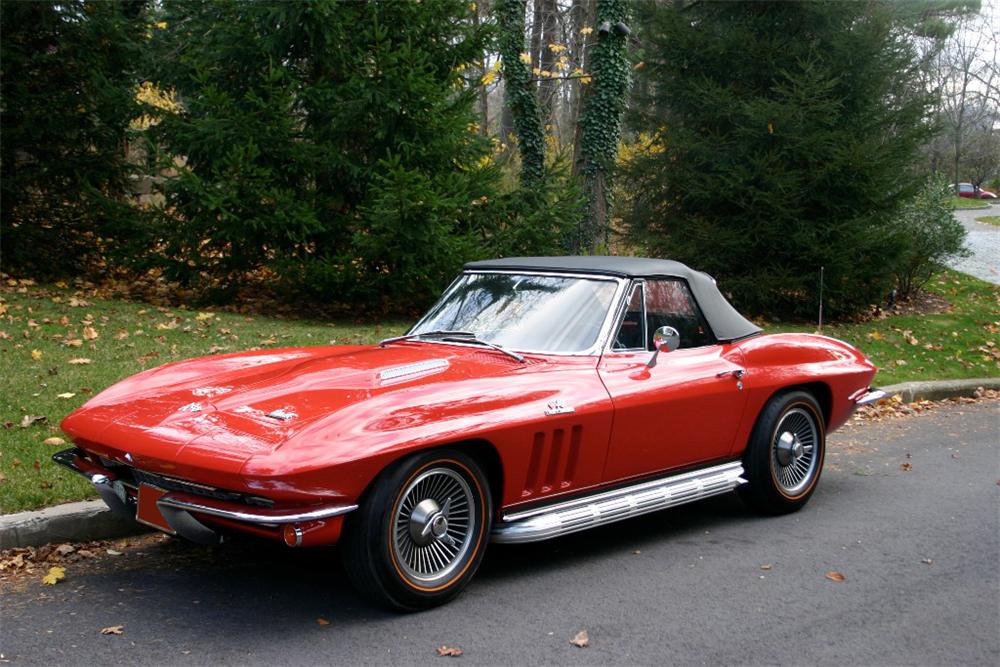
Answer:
[(928, 235)]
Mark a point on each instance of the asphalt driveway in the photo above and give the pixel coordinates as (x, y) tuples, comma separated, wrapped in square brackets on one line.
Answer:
[(907, 511), (984, 242)]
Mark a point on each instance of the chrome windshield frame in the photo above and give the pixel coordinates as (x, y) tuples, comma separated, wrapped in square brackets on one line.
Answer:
[(602, 336)]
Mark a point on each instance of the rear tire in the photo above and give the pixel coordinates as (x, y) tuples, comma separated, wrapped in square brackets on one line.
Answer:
[(420, 533), (784, 457)]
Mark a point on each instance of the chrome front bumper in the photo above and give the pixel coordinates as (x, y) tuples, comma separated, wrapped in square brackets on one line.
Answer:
[(868, 396), (180, 509)]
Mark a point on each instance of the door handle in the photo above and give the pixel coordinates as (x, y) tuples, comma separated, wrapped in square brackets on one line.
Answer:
[(737, 373)]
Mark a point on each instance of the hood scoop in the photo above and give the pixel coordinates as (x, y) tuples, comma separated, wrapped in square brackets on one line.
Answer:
[(405, 372)]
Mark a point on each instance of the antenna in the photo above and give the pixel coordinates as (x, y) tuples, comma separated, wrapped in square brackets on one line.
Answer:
[(821, 298)]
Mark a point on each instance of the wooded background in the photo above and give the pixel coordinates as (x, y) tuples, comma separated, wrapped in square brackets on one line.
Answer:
[(358, 153)]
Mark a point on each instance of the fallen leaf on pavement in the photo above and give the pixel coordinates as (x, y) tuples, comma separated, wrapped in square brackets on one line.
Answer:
[(55, 575), (927, 561), (835, 576), (65, 549), (79, 361), (449, 651), (55, 442), (322, 621), (581, 639), (113, 630), (906, 467), (766, 566)]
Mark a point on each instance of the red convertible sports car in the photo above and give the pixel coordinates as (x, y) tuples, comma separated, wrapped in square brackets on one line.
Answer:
[(540, 396)]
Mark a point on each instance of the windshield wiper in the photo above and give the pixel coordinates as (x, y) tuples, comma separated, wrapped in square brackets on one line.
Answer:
[(436, 333), (471, 338), (454, 336)]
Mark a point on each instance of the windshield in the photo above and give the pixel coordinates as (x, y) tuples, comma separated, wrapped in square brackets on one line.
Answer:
[(524, 312)]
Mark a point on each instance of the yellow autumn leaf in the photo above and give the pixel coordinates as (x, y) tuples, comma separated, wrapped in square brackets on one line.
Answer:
[(53, 441), (79, 361), (162, 25), (3, 308), (90, 333), (488, 78), (55, 575), (586, 30), (525, 58), (585, 79), (204, 316), (36, 355)]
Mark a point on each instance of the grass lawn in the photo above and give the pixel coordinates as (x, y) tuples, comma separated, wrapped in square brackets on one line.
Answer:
[(990, 219), (968, 202), (46, 333)]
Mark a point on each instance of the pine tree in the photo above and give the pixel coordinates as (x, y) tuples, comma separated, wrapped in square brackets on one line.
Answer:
[(334, 142), (69, 80), (789, 130)]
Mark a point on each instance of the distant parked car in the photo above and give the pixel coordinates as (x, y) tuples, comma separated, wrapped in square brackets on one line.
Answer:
[(969, 191)]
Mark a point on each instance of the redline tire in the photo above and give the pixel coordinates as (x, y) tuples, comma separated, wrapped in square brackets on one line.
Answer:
[(420, 533), (784, 457)]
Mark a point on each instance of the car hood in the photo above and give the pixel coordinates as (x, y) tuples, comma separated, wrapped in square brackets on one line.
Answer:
[(222, 410)]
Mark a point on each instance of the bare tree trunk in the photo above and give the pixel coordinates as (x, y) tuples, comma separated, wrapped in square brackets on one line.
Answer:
[(547, 57), (585, 11), (484, 93)]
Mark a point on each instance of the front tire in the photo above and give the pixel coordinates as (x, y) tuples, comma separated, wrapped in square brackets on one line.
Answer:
[(784, 457), (420, 533)]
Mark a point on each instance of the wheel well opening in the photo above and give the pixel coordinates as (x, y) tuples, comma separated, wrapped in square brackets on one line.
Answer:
[(821, 392), (487, 455)]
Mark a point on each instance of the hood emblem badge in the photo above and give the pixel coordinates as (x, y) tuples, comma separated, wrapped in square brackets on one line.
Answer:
[(209, 392), (190, 407), (282, 415), (557, 407)]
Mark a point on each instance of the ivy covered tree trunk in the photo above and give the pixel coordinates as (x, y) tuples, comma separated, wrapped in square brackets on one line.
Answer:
[(519, 91), (601, 120)]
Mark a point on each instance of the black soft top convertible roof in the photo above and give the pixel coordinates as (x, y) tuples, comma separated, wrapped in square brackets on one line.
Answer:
[(727, 324)]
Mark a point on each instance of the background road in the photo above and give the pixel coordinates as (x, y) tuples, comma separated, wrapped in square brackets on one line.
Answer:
[(919, 550), (984, 243)]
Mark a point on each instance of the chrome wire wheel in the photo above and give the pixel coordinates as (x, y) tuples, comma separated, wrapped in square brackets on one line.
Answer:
[(434, 524), (794, 460)]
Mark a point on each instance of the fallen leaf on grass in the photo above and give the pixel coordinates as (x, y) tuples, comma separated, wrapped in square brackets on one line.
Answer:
[(322, 621), (112, 552), (79, 361), (67, 394), (74, 342), (36, 355), (581, 639), (113, 630), (90, 333), (55, 442), (835, 576), (28, 420), (55, 575), (449, 651), (204, 316)]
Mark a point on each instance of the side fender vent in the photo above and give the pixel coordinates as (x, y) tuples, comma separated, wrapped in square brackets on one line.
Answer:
[(553, 462)]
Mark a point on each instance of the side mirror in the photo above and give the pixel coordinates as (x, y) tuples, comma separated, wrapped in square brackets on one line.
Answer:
[(665, 339)]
